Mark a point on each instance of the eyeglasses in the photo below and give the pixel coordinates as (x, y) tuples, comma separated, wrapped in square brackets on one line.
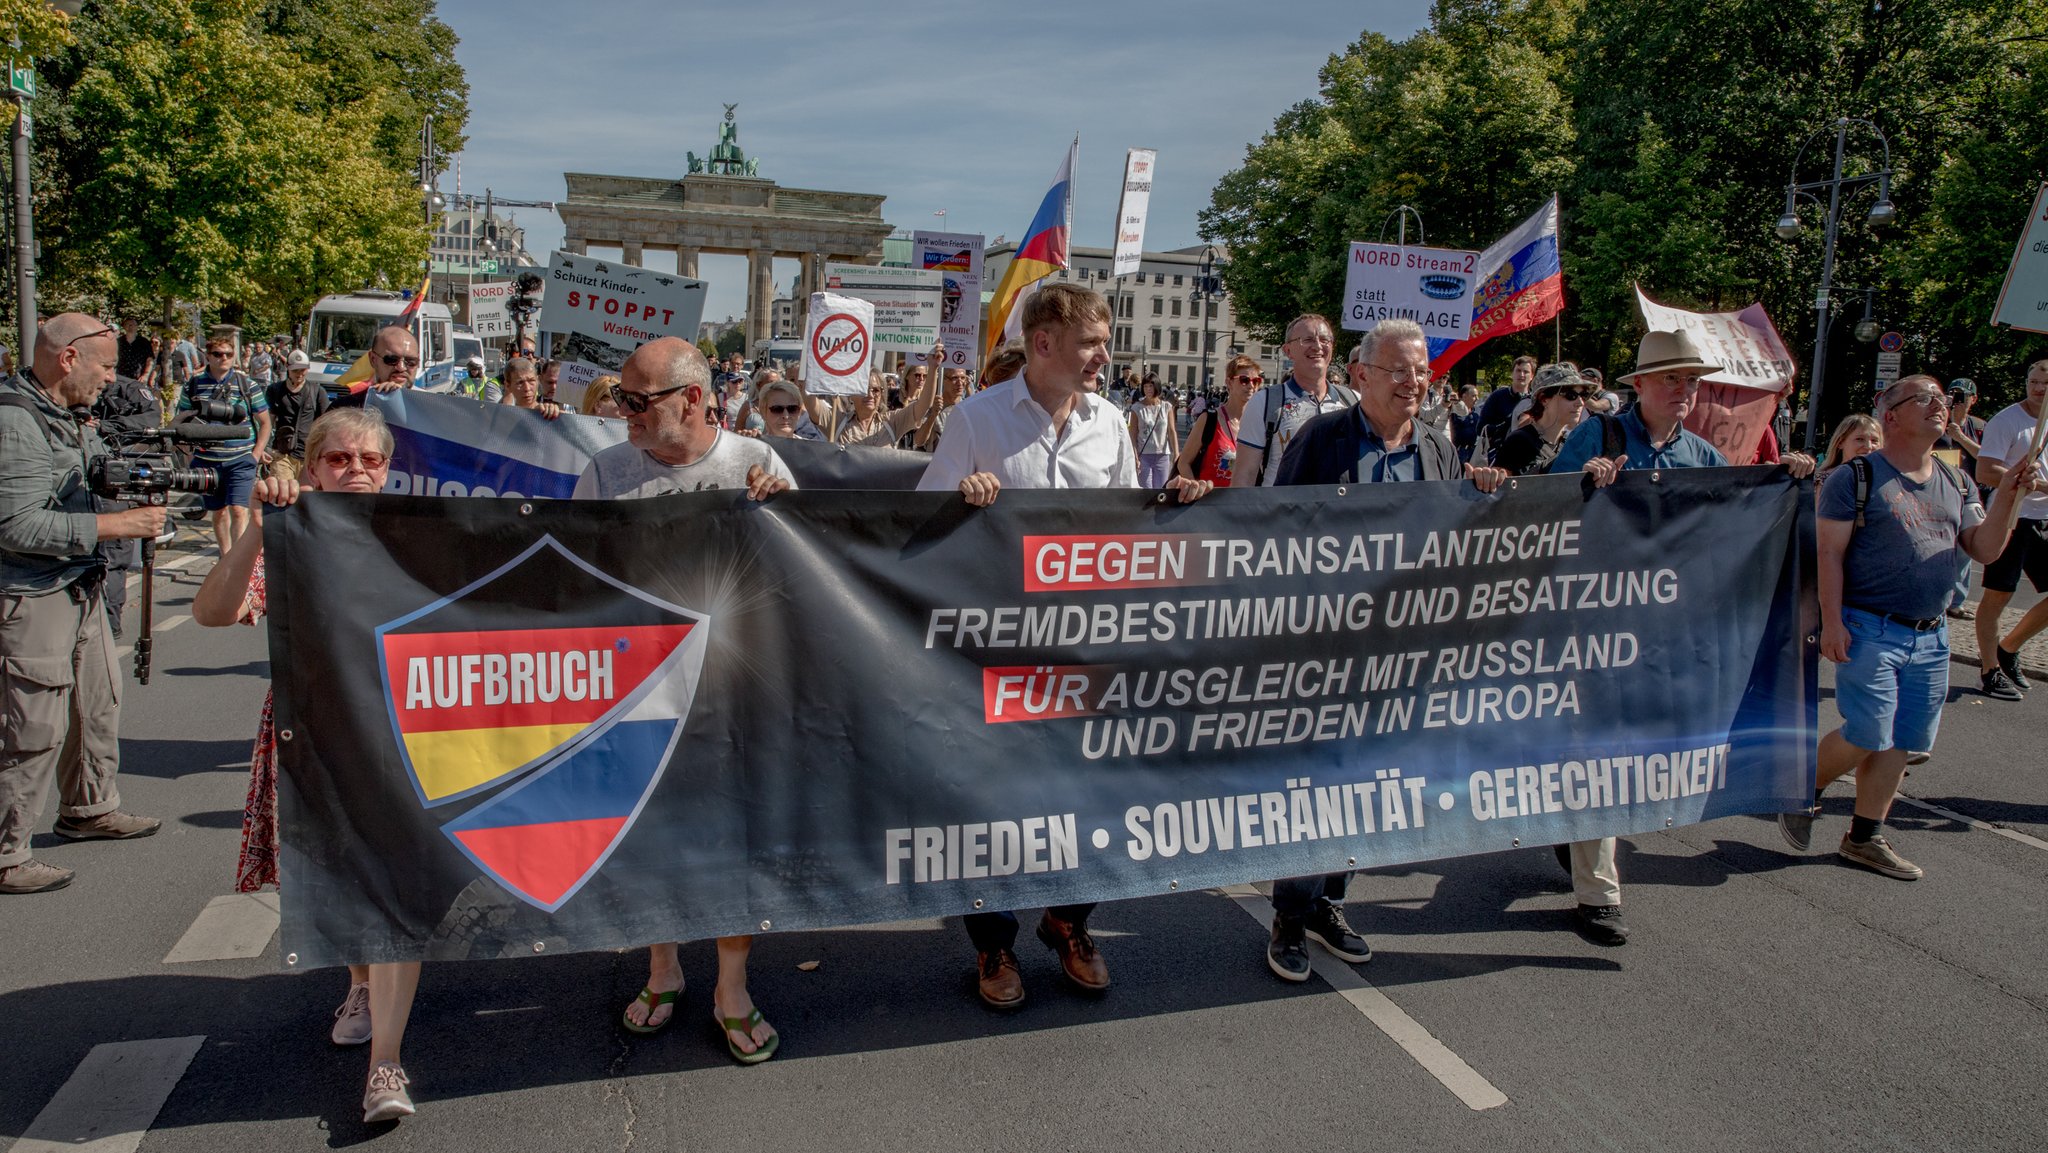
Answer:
[(1925, 400), (785, 409), (637, 402), (1572, 393), (1318, 340), (1402, 375), (340, 461), (1249, 379), (393, 360)]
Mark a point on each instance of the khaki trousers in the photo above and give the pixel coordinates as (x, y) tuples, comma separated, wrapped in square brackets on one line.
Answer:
[(60, 714), (1596, 880)]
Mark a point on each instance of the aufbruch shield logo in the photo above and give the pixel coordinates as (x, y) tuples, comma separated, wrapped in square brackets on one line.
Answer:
[(559, 687)]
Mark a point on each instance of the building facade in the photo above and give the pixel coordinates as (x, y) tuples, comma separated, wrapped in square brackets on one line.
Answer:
[(1163, 320)]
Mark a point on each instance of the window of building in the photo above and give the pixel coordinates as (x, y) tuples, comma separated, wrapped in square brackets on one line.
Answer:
[(1159, 278), (1158, 306), (1176, 280), (1174, 340), (1130, 306), (1155, 340), (1212, 310), (1063, 274)]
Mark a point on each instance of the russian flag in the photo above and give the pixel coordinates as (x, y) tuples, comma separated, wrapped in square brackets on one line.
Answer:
[(1520, 285), (1043, 251)]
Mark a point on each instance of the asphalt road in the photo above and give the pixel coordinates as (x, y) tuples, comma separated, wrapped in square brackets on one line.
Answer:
[(1768, 1000)]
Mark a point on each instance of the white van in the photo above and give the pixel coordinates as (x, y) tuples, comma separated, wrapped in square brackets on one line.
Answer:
[(342, 326)]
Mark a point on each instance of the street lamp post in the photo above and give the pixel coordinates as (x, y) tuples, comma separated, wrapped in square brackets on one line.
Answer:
[(1205, 291), (1789, 227)]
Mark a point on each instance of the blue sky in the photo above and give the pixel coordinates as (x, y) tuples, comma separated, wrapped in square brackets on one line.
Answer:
[(966, 106)]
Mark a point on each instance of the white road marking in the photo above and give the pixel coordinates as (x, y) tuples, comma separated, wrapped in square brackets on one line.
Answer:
[(173, 622), (112, 1097), (1433, 1055), (2010, 834), (236, 926)]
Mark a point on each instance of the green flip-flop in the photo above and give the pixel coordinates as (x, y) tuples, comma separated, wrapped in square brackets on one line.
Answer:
[(653, 1001), (730, 1025)]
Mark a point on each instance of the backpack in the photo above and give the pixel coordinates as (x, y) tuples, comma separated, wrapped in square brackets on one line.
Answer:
[(1276, 395), (1859, 469)]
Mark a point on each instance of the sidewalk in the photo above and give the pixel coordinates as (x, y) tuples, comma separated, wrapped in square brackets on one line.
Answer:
[(1962, 641)]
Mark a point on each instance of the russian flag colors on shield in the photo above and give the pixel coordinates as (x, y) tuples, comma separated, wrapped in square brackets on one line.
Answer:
[(1520, 284), (1042, 252), (555, 735)]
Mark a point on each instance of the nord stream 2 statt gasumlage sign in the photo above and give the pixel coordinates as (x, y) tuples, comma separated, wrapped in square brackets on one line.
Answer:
[(1430, 286)]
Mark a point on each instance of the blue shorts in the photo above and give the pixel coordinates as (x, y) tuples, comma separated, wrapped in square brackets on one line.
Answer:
[(237, 483), (1892, 689)]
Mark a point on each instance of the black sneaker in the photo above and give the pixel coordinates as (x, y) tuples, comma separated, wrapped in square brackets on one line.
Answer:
[(1601, 924), (1330, 930), (1999, 687), (1287, 952), (2009, 664), (1798, 827)]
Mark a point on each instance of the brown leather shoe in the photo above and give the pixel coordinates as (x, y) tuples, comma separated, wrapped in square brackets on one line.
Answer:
[(114, 826), (1078, 956), (32, 876), (1002, 986)]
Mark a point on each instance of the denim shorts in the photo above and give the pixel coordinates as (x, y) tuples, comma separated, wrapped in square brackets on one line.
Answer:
[(237, 483), (1892, 688)]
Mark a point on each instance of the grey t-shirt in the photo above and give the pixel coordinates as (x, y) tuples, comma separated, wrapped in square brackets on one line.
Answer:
[(625, 471), (1905, 558)]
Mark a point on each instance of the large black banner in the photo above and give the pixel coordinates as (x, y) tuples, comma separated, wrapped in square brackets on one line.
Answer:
[(595, 724)]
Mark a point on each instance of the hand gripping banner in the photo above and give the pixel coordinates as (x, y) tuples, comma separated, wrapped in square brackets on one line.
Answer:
[(592, 725)]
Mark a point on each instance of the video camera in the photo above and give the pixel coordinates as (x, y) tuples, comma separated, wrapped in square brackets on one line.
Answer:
[(525, 299), (143, 467)]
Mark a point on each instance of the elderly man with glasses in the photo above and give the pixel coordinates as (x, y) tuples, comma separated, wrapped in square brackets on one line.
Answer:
[(226, 397), (674, 444)]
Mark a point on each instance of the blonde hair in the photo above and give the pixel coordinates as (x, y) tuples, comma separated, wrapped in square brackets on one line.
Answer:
[(596, 392), (1006, 363), (1848, 428)]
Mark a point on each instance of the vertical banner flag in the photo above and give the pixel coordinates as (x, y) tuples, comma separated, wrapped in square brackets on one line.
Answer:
[(1130, 210), (1736, 404), (2023, 301), (1430, 286), (1519, 284), (1042, 252), (956, 256), (839, 344), (600, 310), (488, 316), (908, 303)]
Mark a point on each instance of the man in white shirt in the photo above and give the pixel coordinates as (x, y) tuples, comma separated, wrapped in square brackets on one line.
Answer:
[(2008, 443), (1046, 427), (1275, 413), (674, 444)]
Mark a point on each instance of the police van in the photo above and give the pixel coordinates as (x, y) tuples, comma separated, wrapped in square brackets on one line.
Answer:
[(342, 326)]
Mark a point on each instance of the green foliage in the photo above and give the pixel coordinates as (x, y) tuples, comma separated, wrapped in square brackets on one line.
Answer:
[(38, 27), (709, 348), (248, 155), (1670, 129), (732, 340)]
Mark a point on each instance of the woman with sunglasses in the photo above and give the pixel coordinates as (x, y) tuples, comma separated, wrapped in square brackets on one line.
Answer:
[(1556, 408), (347, 450), (1211, 450)]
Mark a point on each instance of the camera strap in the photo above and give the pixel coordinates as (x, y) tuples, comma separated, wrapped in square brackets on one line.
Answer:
[(16, 400)]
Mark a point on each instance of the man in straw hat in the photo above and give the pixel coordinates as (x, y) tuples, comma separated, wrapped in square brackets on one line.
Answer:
[(1652, 434)]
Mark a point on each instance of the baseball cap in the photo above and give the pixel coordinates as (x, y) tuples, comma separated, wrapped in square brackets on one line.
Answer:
[(1964, 385), (298, 359), (1555, 376)]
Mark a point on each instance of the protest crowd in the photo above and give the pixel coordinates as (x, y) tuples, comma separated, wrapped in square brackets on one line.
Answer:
[(1910, 495)]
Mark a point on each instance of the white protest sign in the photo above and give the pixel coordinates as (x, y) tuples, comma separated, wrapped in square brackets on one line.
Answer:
[(909, 302), (839, 345), (2023, 302), (1430, 286), (1745, 344), (602, 310), (488, 316), (1130, 210), (956, 256)]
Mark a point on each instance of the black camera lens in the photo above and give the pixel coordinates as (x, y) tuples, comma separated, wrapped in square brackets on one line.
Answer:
[(215, 410)]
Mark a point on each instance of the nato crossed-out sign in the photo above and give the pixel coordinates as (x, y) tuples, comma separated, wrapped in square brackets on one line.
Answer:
[(840, 347)]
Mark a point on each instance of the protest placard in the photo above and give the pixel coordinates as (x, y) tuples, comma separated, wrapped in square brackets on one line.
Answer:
[(1130, 210), (908, 302), (839, 345), (2023, 301), (1735, 405), (956, 256), (601, 310), (1430, 286)]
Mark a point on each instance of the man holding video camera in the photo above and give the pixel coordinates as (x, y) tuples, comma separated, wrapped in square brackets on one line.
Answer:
[(60, 692)]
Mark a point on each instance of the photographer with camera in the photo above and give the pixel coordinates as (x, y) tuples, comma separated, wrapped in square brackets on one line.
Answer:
[(60, 694), (224, 395)]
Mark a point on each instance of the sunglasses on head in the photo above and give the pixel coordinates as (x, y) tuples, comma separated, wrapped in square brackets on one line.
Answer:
[(637, 402), (339, 460), (393, 360)]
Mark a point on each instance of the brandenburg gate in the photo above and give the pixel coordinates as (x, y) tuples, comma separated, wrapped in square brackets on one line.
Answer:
[(723, 206)]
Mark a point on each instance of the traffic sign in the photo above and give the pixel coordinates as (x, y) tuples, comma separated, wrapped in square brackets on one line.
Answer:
[(1887, 366), (1891, 342), (21, 79)]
